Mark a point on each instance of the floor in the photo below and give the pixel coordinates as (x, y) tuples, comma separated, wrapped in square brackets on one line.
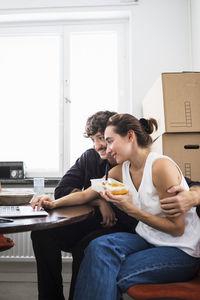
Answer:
[(19, 281), (24, 291)]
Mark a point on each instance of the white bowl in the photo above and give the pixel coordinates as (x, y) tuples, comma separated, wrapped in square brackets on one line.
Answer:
[(98, 185), (114, 186)]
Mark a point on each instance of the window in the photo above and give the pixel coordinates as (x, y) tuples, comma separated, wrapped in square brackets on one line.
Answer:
[(52, 79), (30, 97)]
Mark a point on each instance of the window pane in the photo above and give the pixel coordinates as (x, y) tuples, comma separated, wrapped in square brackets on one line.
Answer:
[(93, 81), (29, 98)]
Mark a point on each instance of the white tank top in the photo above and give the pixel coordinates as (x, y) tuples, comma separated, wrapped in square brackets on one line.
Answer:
[(146, 198)]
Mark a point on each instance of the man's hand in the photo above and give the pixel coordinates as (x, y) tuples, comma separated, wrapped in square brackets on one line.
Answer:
[(181, 202), (108, 215)]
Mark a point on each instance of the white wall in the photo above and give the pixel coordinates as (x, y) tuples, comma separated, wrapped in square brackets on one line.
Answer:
[(161, 40), (195, 16), (161, 43)]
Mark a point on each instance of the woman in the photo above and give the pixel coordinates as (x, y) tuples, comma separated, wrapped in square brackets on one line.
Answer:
[(163, 249)]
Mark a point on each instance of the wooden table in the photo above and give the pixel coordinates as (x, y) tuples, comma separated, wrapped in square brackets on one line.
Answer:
[(57, 217)]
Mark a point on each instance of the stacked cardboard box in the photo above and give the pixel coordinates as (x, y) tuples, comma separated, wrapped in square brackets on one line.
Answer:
[(174, 101)]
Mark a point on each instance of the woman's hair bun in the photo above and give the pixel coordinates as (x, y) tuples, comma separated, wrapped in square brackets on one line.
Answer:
[(149, 125)]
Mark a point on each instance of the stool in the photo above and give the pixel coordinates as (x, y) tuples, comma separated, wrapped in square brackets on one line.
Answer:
[(189, 290)]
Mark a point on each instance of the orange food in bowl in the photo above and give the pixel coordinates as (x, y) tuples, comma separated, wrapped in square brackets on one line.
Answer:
[(117, 188), (122, 192)]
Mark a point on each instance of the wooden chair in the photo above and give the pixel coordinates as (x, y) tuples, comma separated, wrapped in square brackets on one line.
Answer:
[(189, 290)]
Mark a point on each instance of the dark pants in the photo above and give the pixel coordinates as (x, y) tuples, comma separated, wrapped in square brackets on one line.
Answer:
[(48, 244)]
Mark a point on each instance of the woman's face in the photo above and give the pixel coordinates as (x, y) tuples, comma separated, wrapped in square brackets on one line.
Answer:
[(117, 146)]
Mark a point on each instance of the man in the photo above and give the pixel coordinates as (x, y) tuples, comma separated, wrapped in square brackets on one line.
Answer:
[(48, 244)]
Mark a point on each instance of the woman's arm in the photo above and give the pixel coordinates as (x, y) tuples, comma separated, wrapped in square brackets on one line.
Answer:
[(165, 174), (77, 198)]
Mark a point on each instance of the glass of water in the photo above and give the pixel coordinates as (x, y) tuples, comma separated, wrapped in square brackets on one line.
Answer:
[(38, 184)]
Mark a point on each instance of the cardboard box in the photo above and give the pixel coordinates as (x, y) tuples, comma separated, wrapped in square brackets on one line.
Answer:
[(174, 101), (184, 149)]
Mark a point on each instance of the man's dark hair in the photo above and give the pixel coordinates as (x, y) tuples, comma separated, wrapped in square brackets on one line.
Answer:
[(97, 122)]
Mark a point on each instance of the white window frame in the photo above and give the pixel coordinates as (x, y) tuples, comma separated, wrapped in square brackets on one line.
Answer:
[(63, 28)]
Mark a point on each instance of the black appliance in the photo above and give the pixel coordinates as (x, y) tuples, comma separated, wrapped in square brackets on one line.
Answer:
[(11, 170)]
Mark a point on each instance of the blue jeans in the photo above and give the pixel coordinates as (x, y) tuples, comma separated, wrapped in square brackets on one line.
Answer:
[(115, 262)]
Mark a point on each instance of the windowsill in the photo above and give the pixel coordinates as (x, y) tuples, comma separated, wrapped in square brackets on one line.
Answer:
[(48, 182)]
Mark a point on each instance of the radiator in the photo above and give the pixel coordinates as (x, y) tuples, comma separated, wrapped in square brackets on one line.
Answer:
[(23, 251), (23, 248)]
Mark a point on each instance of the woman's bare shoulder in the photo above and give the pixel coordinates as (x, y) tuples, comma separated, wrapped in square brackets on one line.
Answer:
[(165, 174), (164, 166)]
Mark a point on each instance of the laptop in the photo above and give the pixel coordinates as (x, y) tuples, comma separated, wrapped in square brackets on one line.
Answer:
[(21, 211)]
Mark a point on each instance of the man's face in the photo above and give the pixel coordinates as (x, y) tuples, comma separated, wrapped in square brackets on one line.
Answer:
[(100, 145)]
